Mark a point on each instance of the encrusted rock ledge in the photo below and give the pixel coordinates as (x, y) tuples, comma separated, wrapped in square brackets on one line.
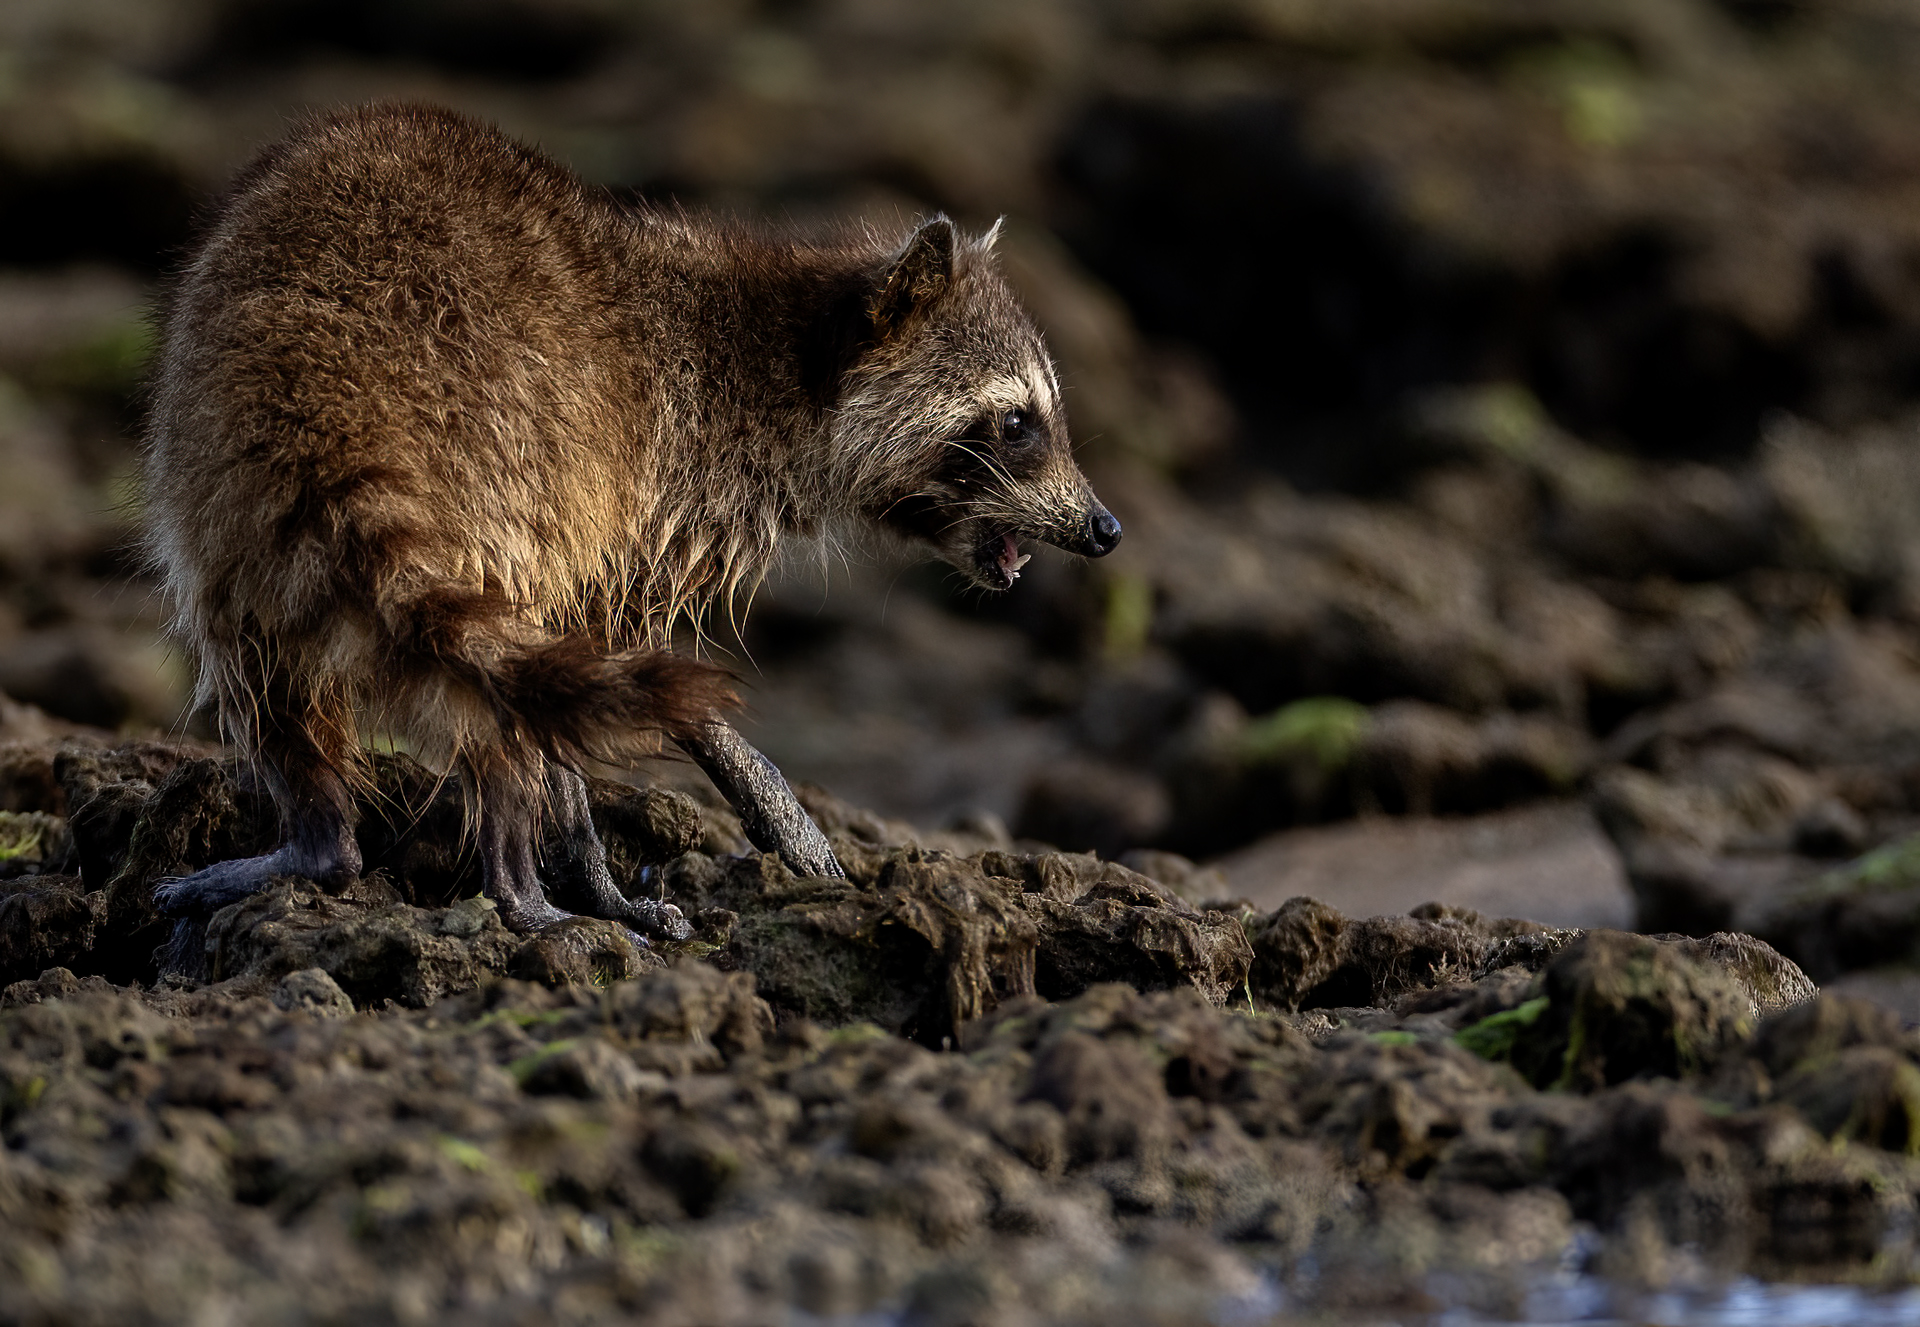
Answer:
[(964, 1075)]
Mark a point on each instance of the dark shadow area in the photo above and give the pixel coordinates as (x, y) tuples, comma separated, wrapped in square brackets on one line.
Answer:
[(1320, 308), (503, 39), (133, 210), (1326, 310)]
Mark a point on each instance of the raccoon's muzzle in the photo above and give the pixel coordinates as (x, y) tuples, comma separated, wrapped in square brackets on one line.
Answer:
[(1099, 534)]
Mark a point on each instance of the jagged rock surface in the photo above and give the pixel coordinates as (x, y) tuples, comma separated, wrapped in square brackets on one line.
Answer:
[(955, 1072)]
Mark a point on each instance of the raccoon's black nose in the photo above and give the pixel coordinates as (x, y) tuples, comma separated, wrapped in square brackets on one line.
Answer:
[(1103, 533)]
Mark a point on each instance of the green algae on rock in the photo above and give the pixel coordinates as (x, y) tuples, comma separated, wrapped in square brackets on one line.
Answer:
[(1623, 1006)]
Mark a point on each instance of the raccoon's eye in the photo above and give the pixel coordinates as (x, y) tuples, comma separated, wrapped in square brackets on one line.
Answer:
[(1013, 426)]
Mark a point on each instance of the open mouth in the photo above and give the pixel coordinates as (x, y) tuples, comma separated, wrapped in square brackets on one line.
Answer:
[(999, 561)]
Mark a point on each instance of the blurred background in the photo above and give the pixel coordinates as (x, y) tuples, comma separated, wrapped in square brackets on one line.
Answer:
[(1510, 404)]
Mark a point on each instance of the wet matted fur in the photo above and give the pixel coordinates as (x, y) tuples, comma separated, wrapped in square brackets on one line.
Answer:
[(444, 442)]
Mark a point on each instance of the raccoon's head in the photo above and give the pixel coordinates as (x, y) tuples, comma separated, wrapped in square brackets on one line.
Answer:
[(954, 414)]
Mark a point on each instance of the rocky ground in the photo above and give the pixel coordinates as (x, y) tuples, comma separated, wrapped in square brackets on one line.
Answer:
[(973, 1082)]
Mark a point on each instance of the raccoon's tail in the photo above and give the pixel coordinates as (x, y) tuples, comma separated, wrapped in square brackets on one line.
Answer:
[(562, 696)]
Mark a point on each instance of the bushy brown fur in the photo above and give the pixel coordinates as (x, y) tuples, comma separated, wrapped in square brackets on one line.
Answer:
[(444, 442)]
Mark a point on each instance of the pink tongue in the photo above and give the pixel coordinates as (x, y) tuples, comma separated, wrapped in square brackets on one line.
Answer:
[(1009, 552)]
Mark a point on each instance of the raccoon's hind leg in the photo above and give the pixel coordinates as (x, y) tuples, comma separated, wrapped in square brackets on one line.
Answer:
[(513, 791), (302, 749), (546, 701), (587, 874), (509, 823)]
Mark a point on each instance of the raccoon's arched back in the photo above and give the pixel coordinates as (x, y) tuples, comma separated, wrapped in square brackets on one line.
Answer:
[(413, 362)]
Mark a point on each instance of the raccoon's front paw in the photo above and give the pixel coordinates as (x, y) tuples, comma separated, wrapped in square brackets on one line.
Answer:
[(207, 891)]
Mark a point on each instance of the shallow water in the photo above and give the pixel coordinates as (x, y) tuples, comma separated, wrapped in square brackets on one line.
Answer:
[(1746, 1303), (1561, 1300)]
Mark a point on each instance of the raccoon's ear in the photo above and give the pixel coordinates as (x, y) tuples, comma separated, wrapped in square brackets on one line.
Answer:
[(920, 275)]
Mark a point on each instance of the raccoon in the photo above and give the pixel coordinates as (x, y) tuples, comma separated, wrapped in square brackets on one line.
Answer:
[(444, 442)]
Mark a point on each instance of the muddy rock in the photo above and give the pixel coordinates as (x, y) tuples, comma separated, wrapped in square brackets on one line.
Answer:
[(1673, 834), (375, 947), (1308, 955), (53, 984), (27, 778), (199, 814), (642, 827), (48, 921), (1771, 981), (1148, 945), (1419, 759), (1661, 1168), (1621, 1006), (104, 792), (1296, 947), (1732, 803), (1864, 914), (581, 950), (921, 941), (1846, 1067), (1864, 1094), (1125, 1085), (312, 990), (1113, 1102), (1322, 757), (786, 1164), (1386, 957), (1395, 1232), (34, 843), (412, 831), (1197, 885), (978, 932), (821, 950), (142, 812), (1811, 1033), (694, 1005), (1509, 994), (1395, 1104)]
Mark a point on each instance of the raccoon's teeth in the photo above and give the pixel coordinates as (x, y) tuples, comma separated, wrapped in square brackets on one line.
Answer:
[(1021, 561)]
